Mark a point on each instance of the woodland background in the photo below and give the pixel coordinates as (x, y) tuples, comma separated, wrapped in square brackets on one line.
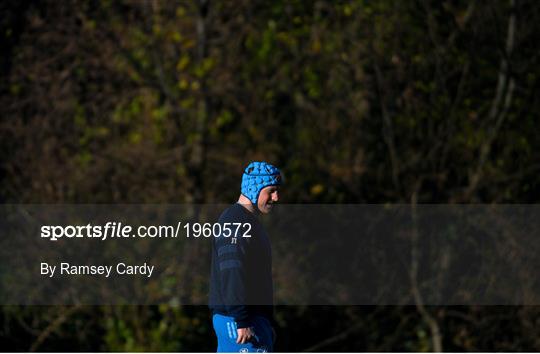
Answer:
[(359, 101)]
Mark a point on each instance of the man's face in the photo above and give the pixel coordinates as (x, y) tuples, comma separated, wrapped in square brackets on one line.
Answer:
[(268, 196)]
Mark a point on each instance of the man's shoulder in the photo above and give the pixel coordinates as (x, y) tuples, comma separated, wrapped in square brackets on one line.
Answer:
[(233, 213)]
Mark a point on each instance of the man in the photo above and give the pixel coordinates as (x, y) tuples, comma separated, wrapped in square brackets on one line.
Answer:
[(241, 290)]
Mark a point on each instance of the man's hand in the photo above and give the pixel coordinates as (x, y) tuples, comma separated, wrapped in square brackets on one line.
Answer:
[(244, 335)]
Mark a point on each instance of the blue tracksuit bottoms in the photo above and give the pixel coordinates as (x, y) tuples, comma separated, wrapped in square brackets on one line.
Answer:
[(225, 328)]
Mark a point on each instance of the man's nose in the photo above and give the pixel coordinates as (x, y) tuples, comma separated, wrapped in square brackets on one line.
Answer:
[(275, 196)]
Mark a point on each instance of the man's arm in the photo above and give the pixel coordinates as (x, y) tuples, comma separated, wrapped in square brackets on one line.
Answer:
[(231, 263)]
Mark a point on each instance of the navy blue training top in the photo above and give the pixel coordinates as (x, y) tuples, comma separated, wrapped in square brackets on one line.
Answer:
[(241, 271)]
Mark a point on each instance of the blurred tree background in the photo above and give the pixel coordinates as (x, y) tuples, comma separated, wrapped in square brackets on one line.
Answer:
[(417, 101)]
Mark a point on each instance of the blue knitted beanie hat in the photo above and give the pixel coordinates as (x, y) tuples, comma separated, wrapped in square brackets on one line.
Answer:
[(258, 175)]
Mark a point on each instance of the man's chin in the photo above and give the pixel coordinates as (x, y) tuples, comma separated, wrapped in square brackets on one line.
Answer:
[(266, 209)]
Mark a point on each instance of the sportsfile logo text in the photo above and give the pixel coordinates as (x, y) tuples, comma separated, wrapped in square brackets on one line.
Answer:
[(111, 229)]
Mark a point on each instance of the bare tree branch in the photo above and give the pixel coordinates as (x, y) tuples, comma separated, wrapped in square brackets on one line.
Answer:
[(388, 131), (436, 337), (53, 326), (505, 88)]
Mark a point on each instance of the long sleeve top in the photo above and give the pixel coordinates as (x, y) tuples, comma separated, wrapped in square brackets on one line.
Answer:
[(241, 271)]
